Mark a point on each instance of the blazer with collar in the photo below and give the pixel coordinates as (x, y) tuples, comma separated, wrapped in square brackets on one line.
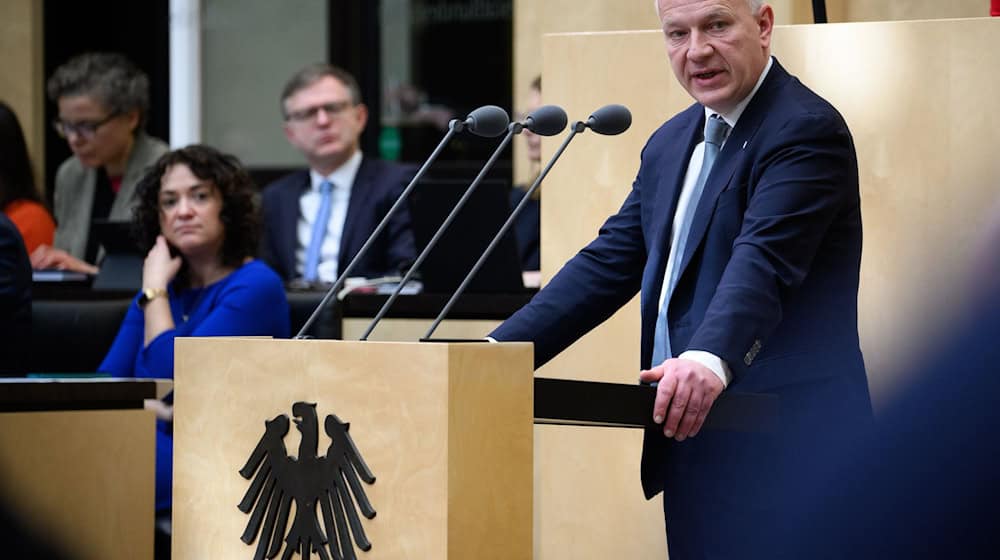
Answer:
[(769, 277), (376, 187), (75, 187)]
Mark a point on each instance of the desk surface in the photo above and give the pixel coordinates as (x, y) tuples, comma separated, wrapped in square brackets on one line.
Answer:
[(427, 306), (27, 394), (415, 306)]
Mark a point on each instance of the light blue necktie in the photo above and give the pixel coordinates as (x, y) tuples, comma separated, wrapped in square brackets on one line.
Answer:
[(318, 231), (716, 130)]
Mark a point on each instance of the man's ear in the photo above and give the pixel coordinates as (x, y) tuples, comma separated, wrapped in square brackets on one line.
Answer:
[(765, 23), (361, 114)]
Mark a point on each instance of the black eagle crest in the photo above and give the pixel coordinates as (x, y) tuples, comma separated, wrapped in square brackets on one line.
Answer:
[(307, 480)]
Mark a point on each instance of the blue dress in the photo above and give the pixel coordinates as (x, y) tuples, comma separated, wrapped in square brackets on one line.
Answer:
[(249, 302)]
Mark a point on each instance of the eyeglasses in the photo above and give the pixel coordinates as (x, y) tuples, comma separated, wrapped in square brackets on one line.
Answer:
[(309, 113), (84, 129)]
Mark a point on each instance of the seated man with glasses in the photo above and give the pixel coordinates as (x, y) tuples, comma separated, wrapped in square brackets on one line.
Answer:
[(103, 100), (317, 219)]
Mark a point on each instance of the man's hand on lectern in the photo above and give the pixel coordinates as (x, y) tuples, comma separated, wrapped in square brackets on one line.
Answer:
[(685, 392)]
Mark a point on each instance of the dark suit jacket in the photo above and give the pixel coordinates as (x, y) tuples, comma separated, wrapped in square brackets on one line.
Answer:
[(15, 300), (376, 187), (769, 279)]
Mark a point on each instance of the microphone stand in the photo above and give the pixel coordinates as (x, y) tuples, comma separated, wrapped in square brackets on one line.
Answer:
[(576, 128), (819, 11), (454, 127), (513, 128)]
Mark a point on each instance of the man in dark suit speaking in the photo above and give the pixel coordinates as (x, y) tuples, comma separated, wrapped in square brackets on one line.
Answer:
[(316, 220), (743, 232)]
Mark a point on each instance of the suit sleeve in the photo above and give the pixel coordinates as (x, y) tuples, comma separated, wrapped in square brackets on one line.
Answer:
[(601, 278), (15, 300), (805, 182)]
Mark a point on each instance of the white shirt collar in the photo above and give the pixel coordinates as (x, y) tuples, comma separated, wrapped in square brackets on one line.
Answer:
[(342, 177), (732, 116)]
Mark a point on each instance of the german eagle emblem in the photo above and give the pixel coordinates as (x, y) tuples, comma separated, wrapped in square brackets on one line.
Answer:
[(331, 482)]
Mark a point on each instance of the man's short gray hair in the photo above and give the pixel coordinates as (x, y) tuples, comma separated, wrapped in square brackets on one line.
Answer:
[(755, 6)]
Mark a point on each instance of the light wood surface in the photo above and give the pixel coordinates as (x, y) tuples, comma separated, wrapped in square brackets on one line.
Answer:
[(85, 479), (867, 10), (412, 330), (22, 79), (930, 176), (910, 92), (445, 428)]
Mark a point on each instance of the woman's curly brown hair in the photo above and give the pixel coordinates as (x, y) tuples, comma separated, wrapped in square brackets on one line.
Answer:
[(240, 214)]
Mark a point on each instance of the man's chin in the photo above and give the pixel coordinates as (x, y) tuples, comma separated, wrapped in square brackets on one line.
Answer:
[(715, 100), (332, 156)]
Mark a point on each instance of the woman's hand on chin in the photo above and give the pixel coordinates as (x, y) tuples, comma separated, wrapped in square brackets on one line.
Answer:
[(160, 267)]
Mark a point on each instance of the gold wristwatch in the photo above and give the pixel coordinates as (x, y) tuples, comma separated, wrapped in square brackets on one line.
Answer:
[(149, 294)]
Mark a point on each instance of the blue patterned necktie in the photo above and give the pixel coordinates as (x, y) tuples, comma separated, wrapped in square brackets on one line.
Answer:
[(318, 232), (716, 130)]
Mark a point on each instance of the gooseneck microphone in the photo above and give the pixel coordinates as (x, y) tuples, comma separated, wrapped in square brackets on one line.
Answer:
[(488, 121), (608, 120), (544, 121)]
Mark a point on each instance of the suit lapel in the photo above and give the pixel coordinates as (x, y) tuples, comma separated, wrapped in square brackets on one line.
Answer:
[(354, 206), (729, 160), (289, 214), (668, 188)]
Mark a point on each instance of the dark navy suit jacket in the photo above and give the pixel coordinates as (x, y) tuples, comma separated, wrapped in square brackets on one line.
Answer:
[(769, 278), (15, 300), (376, 187)]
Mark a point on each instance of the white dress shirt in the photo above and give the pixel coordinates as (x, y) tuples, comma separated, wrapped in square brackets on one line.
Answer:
[(342, 180), (709, 360)]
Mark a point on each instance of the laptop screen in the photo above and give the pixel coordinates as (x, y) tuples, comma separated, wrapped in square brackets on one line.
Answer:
[(121, 267)]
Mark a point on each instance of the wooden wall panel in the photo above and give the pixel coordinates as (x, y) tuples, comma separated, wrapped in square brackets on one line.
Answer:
[(867, 10), (22, 81)]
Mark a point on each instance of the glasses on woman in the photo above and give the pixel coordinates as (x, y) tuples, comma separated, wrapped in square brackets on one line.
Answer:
[(84, 129)]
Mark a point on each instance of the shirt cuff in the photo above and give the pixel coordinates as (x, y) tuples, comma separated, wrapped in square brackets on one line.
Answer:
[(712, 362), (491, 339)]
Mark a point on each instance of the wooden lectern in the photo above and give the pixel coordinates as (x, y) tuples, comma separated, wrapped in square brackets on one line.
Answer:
[(446, 428)]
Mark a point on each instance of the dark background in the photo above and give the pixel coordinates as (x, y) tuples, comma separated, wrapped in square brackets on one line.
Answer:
[(461, 64)]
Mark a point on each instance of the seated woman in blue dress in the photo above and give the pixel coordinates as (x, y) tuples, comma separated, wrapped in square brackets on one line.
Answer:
[(196, 214)]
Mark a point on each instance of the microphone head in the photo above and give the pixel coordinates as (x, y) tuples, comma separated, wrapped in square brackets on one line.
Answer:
[(488, 121), (610, 120), (547, 120)]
